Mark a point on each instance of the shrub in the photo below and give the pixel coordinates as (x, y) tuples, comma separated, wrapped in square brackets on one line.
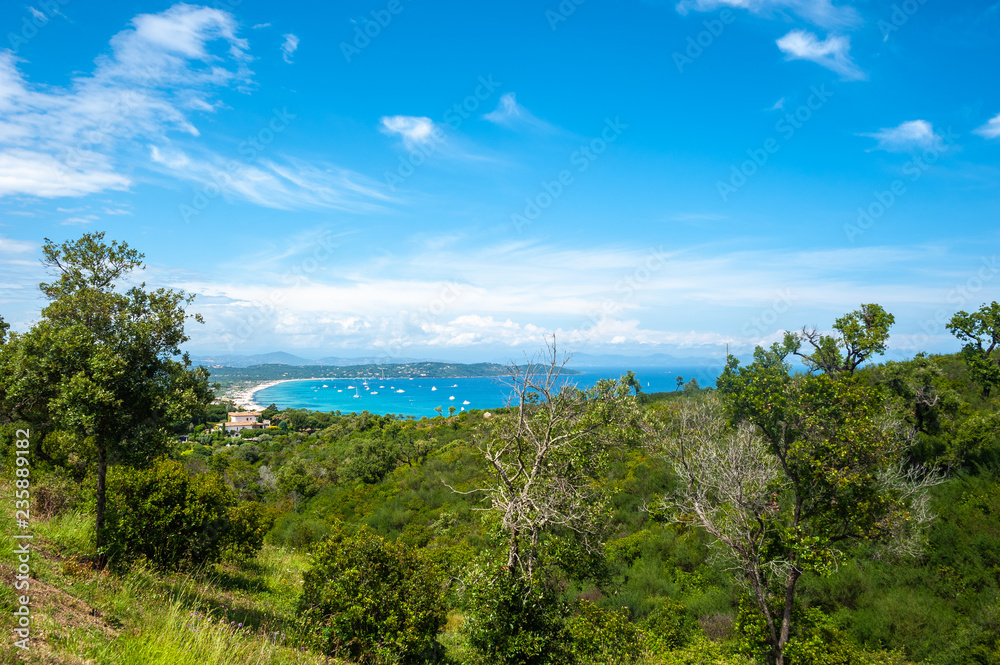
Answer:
[(604, 637), (667, 627), (514, 621), (248, 523), (373, 601), (165, 515)]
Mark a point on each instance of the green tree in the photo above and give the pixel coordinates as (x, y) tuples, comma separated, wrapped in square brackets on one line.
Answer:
[(981, 333), (863, 333), (802, 467), (102, 362)]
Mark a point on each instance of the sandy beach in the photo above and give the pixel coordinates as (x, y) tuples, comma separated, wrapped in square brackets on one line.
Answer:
[(245, 398)]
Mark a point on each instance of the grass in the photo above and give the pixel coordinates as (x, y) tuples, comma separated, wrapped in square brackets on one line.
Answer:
[(225, 613)]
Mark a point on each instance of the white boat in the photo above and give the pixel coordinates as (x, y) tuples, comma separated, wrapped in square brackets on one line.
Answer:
[(455, 386), (433, 388), (374, 392), (452, 397), (325, 386), (400, 391), (466, 402), (339, 391), (351, 388)]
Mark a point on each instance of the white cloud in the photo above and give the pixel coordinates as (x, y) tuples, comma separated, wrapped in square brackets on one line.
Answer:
[(512, 114), (819, 12), (910, 135), (991, 129), (57, 142), (288, 48), (832, 52), (414, 130)]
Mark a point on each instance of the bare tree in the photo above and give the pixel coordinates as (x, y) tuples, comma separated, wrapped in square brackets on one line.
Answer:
[(547, 453)]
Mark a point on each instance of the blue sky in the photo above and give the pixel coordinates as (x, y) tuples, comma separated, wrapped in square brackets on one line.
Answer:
[(456, 180)]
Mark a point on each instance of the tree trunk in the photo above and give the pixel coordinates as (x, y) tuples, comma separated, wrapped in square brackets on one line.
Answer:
[(786, 619), (102, 472)]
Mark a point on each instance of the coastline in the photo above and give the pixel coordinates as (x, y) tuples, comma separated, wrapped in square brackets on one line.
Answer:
[(247, 397)]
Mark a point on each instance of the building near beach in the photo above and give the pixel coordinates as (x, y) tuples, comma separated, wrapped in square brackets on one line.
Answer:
[(241, 420)]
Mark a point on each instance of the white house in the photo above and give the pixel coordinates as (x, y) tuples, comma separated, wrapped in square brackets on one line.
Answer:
[(241, 420)]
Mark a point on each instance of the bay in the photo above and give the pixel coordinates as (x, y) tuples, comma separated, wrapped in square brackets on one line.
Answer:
[(419, 397)]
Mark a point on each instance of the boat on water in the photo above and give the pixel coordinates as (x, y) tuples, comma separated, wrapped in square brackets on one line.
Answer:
[(433, 388), (400, 391), (374, 392), (325, 386), (466, 402), (452, 397)]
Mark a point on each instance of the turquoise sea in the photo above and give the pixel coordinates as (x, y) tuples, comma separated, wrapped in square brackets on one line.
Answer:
[(418, 397)]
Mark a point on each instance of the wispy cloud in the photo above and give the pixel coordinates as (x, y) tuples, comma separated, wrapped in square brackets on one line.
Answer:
[(819, 12), (511, 114), (289, 47), (991, 129), (57, 142), (284, 183), (832, 52), (910, 135)]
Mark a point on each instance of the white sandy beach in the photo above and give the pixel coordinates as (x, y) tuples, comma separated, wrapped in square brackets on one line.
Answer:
[(246, 398)]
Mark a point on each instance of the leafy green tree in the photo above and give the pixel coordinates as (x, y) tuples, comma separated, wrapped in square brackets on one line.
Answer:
[(802, 467), (102, 362), (981, 333), (863, 334)]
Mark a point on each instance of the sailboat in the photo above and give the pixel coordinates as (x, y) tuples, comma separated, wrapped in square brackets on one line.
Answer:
[(433, 388), (356, 393)]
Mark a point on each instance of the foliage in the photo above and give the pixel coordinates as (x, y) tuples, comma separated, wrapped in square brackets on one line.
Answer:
[(863, 333), (372, 600), (981, 333), (165, 515), (808, 465), (99, 364), (668, 627), (604, 637), (511, 620), (249, 522)]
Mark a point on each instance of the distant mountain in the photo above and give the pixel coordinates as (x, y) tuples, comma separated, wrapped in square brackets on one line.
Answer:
[(282, 358)]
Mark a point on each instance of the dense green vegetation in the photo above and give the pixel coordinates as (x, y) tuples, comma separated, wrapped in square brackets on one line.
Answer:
[(846, 515)]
